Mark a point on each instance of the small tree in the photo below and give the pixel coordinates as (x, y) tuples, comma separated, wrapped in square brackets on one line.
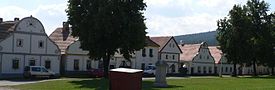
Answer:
[(106, 26)]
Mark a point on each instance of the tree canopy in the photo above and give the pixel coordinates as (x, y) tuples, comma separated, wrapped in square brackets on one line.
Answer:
[(106, 26), (246, 35)]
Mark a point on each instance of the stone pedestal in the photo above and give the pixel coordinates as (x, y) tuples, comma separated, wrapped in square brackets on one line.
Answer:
[(160, 75)]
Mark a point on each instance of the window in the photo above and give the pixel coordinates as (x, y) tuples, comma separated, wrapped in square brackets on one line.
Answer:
[(76, 64), (144, 52), (173, 57), (199, 69), (204, 70), (48, 64), (44, 70), (32, 62), (15, 64), (41, 44), (151, 52), (173, 68), (19, 42), (210, 69), (89, 64), (226, 69), (207, 57), (230, 69), (166, 56), (143, 66), (200, 56), (36, 69)]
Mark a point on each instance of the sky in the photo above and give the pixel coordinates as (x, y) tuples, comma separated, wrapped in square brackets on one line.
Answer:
[(163, 17)]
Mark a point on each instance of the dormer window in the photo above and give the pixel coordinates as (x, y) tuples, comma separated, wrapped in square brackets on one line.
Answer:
[(41, 44), (19, 42)]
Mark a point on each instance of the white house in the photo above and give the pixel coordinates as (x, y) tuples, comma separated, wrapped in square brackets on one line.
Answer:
[(222, 64), (197, 59), (25, 43), (169, 51), (140, 60), (74, 60)]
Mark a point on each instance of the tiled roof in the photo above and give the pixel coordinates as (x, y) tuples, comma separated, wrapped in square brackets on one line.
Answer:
[(189, 51), (216, 53), (6, 27), (150, 42), (161, 41), (62, 38)]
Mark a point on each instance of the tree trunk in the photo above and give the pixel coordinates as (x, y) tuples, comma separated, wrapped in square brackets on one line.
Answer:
[(254, 68), (235, 70), (106, 61)]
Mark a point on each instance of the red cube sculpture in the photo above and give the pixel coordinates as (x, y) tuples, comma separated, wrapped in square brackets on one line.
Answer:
[(125, 79)]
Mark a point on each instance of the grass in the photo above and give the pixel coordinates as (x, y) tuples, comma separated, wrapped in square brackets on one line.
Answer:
[(256, 83)]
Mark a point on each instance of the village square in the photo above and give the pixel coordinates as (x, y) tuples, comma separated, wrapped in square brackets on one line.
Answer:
[(108, 45)]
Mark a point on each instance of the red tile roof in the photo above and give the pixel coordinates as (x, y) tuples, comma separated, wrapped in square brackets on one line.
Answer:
[(62, 38), (216, 53), (161, 41), (189, 51), (150, 42)]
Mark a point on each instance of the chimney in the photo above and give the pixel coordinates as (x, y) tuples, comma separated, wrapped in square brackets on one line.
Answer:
[(1, 20), (65, 26), (16, 19)]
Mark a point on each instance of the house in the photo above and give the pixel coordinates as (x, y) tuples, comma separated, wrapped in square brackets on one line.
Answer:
[(227, 67), (222, 64), (25, 43), (140, 60), (74, 60), (169, 51), (197, 59)]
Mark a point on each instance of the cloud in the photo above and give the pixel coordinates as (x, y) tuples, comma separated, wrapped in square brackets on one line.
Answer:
[(51, 15), (178, 17), (166, 26)]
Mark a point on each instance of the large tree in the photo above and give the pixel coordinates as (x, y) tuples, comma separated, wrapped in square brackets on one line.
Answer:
[(106, 26), (249, 34), (260, 41), (232, 36)]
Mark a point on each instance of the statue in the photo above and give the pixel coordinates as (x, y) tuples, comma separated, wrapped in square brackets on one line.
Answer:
[(160, 78)]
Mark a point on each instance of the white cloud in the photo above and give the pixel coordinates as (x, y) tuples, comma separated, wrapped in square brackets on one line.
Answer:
[(51, 16), (167, 26), (187, 16)]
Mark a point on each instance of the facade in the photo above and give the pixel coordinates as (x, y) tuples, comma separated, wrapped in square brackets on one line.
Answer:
[(222, 64), (141, 59), (73, 59), (197, 59), (169, 51), (25, 43)]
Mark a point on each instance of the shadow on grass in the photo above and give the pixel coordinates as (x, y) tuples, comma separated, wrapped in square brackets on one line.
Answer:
[(149, 85), (97, 84), (261, 77)]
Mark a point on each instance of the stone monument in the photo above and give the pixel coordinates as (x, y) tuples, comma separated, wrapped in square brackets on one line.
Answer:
[(160, 78)]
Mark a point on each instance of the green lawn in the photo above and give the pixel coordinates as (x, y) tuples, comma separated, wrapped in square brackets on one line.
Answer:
[(174, 84)]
